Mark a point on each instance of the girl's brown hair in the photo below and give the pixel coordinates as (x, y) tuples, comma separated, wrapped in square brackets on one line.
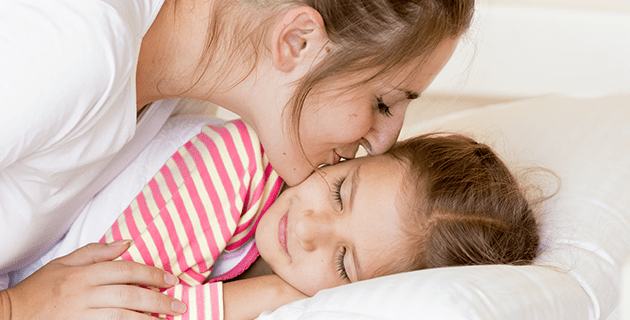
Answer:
[(464, 206)]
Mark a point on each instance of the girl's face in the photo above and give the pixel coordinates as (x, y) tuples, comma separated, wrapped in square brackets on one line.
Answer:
[(339, 226), (335, 122)]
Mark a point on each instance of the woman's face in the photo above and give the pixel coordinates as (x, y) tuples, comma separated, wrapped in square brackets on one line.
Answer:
[(340, 225), (334, 123)]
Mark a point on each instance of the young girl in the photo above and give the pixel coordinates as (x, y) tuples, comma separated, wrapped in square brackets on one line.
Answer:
[(315, 79), (432, 201)]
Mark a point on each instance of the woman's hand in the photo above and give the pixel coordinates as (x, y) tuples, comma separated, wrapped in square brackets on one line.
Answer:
[(246, 299), (86, 284)]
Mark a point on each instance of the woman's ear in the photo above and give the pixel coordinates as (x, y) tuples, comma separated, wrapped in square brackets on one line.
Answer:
[(300, 35)]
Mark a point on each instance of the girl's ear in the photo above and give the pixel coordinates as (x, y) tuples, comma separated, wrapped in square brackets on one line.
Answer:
[(299, 35)]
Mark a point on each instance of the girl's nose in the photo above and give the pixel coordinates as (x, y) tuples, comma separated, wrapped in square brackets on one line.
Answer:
[(313, 230)]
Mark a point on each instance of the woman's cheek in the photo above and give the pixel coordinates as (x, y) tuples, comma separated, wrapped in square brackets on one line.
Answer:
[(347, 118), (294, 173), (357, 125), (344, 130), (290, 164)]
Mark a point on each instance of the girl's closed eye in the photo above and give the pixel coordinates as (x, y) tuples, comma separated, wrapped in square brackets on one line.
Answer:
[(337, 190), (341, 267), (383, 109)]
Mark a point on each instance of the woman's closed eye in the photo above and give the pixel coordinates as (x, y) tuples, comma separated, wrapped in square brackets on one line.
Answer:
[(383, 109), (341, 267)]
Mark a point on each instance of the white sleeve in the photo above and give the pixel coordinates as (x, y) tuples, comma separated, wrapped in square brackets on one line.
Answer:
[(54, 67), (67, 107)]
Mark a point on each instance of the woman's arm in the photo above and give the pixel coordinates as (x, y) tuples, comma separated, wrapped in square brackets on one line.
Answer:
[(247, 298), (87, 285)]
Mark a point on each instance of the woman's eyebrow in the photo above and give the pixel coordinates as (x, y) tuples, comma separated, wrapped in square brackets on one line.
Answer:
[(412, 95)]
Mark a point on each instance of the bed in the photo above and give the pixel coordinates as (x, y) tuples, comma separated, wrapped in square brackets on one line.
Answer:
[(552, 82), (586, 238), (584, 138), (561, 74), (586, 226)]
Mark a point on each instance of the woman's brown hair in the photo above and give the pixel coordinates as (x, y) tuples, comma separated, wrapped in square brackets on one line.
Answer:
[(380, 36), (383, 37), (463, 205)]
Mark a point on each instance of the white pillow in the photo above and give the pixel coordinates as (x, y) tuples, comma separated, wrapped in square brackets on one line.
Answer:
[(586, 227)]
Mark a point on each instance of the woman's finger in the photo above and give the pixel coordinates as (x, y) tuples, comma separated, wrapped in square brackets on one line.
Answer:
[(94, 252), (65, 288), (135, 298), (111, 313), (121, 272)]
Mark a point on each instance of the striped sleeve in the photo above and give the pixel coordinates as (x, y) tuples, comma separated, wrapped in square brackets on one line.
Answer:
[(213, 187), (203, 301)]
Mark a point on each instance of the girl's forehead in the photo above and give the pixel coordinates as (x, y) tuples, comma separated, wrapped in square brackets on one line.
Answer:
[(378, 181)]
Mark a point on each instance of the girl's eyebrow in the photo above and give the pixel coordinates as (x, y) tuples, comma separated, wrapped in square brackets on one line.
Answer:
[(358, 272), (354, 185)]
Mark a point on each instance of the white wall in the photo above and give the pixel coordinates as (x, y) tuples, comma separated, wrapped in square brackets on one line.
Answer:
[(592, 5), (533, 47)]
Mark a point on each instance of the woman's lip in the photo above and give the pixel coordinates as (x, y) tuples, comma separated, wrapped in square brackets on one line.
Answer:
[(336, 157), (282, 232), (366, 145)]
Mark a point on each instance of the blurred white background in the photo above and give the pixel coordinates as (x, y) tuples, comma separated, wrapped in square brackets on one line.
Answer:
[(520, 49)]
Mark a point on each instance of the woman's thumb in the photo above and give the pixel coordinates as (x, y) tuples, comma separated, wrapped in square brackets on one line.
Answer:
[(95, 252)]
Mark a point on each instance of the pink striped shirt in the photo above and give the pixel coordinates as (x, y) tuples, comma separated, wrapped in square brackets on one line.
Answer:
[(206, 200)]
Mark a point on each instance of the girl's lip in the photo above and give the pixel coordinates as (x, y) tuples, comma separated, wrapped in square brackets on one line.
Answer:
[(282, 232)]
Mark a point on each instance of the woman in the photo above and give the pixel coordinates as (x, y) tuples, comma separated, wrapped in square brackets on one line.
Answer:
[(315, 79)]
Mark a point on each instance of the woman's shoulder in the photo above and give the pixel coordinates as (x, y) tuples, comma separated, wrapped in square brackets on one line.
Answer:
[(61, 47), (60, 55), (82, 34), (138, 15)]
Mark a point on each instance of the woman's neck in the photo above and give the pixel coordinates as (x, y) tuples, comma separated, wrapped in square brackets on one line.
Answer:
[(171, 49), (172, 62)]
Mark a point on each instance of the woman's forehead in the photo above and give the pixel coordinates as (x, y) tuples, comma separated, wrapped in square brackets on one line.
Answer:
[(405, 82), (413, 75)]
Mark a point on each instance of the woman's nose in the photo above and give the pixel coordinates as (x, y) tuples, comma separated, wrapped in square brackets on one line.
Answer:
[(313, 230), (383, 133)]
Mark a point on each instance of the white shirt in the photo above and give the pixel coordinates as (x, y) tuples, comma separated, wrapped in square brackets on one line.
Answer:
[(102, 211), (68, 105)]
